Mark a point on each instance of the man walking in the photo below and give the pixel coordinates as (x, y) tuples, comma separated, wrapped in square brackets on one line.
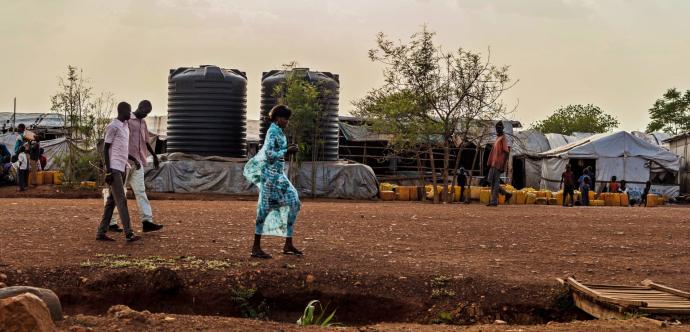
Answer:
[(138, 147), (115, 154), (497, 165)]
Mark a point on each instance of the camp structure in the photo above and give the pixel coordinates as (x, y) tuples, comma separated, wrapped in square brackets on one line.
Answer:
[(619, 154), (360, 143), (680, 145), (525, 154)]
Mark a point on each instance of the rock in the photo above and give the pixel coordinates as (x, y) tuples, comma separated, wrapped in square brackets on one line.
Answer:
[(124, 312), (165, 280), (80, 329), (3, 277), (48, 297), (500, 322), (25, 312), (3, 285), (310, 279), (169, 319)]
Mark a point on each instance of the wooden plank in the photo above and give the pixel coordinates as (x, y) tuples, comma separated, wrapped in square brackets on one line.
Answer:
[(596, 310), (671, 311), (667, 289), (598, 297), (615, 286)]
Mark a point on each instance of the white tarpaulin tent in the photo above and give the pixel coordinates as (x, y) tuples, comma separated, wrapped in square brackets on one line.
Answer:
[(619, 154)]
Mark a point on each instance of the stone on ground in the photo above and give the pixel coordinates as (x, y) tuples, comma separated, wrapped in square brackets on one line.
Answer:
[(25, 313), (46, 295)]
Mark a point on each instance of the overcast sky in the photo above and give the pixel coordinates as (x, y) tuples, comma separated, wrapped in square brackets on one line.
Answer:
[(618, 54)]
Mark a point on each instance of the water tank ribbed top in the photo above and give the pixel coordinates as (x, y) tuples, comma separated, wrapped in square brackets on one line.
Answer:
[(326, 82), (207, 111)]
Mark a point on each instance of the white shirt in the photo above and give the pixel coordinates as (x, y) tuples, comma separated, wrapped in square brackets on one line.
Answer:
[(23, 162), (117, 135)]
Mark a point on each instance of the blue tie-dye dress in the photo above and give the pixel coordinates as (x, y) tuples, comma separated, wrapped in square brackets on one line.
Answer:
[(279, 203)]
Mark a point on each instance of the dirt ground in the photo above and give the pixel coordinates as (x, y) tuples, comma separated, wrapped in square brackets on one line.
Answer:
[(376, 262)]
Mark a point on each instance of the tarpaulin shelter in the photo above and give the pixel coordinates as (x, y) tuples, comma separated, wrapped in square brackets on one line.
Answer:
[(619, 154), (526, 162), (185, 173)]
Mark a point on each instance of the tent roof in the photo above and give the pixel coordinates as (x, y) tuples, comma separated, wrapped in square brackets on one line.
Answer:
[(52, 120), (612, 145)]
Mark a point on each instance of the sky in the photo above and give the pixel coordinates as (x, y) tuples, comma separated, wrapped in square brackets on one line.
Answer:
[(618, 54)]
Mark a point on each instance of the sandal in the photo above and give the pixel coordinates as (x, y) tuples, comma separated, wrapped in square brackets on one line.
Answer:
[(293, 251)]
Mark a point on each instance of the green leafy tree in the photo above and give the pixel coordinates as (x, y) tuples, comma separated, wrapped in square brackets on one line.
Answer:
[(671, 113), (86, 117), (307, 100), (432, 95), (577, 118)]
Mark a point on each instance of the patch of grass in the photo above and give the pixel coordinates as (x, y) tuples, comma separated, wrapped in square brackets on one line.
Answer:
[(443, 317), (309, 316), (437, 293), (243, 297), (440, 287), (154, 262), (441, 281)]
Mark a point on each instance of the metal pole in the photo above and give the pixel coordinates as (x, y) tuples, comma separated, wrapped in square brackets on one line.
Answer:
[(14, 114)]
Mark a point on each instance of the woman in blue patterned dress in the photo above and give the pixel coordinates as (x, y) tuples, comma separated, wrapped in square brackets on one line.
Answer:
[(279, 203)]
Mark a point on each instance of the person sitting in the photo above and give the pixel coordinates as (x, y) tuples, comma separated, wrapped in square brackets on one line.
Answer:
[(613, 185)]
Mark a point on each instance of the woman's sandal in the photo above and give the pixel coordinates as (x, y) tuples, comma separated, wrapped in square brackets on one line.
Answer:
[(293, 252), (261, 255)]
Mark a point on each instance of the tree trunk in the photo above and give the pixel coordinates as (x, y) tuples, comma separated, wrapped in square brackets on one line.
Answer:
[(447, 195), (457, 166), (420, 171), (433, 175), (474, 161)]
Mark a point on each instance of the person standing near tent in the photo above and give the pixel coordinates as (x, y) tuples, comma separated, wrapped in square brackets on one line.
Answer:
[(279, 202), (138, 148), (20, 139), (568, 186), (23, 168), (498, 158), (115, 154), (462, 182), (34, 159), (584, 182)]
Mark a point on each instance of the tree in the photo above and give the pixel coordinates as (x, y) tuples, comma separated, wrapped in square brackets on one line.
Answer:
[(577, 118), (431, 97), (307, 101), (671, 113), (86, 118)]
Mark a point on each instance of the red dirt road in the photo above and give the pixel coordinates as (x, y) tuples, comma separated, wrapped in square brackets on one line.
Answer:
[(521, 244), (494, 257)]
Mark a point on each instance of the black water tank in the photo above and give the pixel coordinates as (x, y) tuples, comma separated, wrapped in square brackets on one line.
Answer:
[(328, 83), (207, 111)]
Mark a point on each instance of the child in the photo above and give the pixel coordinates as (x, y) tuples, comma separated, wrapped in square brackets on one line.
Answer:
[(645, 192), (23, 173), (568, 186), (613, 185), (584, 188)]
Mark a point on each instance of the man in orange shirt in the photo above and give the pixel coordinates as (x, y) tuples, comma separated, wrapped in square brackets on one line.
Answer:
[(497, 165)]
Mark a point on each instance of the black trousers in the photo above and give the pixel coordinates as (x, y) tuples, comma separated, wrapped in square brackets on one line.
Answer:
[(568, 190)]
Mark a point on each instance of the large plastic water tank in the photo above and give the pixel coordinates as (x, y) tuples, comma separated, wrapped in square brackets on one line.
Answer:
[(207, 111), (328, 83)]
